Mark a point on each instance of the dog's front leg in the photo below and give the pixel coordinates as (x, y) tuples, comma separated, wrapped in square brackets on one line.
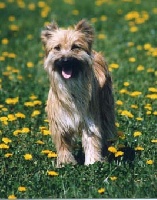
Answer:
[(63, 147), (91, 141)]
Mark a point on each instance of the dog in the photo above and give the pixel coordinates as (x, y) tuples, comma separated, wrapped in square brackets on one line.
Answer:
[(80, 100)]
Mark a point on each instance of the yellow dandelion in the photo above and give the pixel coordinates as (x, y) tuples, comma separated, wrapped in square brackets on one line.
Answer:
[(46, 151), (126, 84), (117, 124), (101, 190), (152, 96), (4, 146), (7, 155), (52, 155), (154, 141), (2, 5), (123, 91), (113, 178), (11, 117), (134, 29), (31, 6), (139, 118), (28, 156), (5, 41), (6, 140), (140, 68), (155, 113), (11, 18), (20, 115), (35, 113), (103, 18), (135, 94), (119, 102), (25, 130), (134, 106), (131, 44), (94, 19), (37, 102), (46, 132), (112, 149), (147, 46), (127, 114), (14, 27), (132, 59), (30, 64), (12, 100), (101, 36), (75, 12), (149, 162), (3, 119), (52, 173), (114, 66), (148, 112), (16, 132), (39, 142), (22, 189), (138, 148), (12, 196), (137, 134), (151, 89), (119, 153), (29, 104)]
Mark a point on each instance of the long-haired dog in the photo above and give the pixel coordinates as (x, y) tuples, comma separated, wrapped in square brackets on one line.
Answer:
[(80, 100)]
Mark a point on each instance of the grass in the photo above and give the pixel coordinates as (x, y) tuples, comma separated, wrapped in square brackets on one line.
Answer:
[(126, 33)]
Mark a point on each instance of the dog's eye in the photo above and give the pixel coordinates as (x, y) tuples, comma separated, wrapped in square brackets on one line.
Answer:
[(58, 47), (75, 46)]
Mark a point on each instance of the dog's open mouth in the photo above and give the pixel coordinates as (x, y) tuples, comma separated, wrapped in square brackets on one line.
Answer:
[(68, 67), (67, 72)]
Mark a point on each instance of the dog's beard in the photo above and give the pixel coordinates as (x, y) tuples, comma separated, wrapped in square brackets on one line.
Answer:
[(71, 78)]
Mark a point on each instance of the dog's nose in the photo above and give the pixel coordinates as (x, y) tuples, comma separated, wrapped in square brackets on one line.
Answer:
[(63, 61)]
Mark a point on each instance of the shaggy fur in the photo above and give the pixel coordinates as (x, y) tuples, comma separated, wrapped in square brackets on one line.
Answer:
[(80, 100)]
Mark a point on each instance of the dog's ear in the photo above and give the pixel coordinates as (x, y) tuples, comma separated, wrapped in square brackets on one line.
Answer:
[(87, 29), (47, 33)]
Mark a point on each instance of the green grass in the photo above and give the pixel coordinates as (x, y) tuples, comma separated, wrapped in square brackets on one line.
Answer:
[(128, 29)]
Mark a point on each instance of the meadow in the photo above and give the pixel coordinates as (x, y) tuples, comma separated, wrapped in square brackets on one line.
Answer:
[(126, 33)]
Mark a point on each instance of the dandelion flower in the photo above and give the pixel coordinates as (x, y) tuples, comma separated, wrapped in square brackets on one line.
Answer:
[(4, 146), (7, 155), (137, 133), (119, 102), (52, 155), (35, 113), (112, 149), (154, 141), (138, 148), (22, 189), (113, 178), (39, 142), (5, 41), (52, 173), (149, 162), (119, 153), (28, 156), (12, 196), (6, 140), (101, 190)]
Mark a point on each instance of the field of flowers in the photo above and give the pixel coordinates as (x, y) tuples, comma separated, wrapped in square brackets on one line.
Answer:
[(126, 32)]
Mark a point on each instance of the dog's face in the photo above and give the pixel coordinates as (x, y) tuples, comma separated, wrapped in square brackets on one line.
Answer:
[(68, 51)]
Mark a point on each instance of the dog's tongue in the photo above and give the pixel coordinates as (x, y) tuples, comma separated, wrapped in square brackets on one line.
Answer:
[(67, 72)]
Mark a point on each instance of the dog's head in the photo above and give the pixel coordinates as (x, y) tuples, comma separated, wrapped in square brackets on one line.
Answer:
[(68, 51)]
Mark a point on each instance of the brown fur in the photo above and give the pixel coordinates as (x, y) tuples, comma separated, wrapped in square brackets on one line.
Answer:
[(82, 104)]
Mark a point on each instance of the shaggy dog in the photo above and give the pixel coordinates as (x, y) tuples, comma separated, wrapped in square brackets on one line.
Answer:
[(80, 100)]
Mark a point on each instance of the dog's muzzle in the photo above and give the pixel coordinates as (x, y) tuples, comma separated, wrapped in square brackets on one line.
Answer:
[(68, 67)]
